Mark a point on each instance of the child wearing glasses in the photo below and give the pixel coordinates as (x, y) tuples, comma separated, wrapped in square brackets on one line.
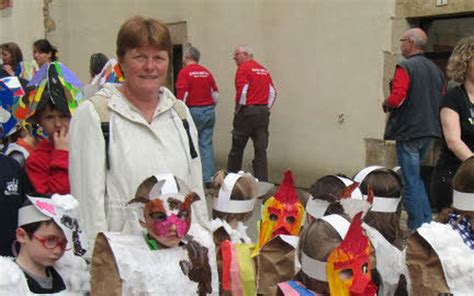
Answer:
[(46, 230)]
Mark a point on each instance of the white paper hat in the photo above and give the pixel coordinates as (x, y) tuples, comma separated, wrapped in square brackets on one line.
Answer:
[(60, 208)]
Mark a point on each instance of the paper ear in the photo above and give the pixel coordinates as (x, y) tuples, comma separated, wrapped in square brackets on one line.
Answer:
[(156, 189)]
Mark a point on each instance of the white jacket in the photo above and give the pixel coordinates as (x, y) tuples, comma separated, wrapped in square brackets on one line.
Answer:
[(137, 150)]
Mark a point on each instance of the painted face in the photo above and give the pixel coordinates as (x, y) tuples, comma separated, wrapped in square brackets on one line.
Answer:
[(41, 58), (145, 69), (168, 223), (348, 266), (36, 250), (52, 120)]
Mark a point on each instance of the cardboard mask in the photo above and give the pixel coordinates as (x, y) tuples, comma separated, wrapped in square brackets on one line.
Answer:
[(348, 266), (282, 213), (168, 203)]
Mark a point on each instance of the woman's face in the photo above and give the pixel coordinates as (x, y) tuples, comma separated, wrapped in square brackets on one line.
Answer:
[(470, 70), (6, 57), (41, 58), (145, 69)]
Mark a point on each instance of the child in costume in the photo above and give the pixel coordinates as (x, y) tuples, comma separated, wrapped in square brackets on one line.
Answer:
[(440, 255), (172, 257), (275, 252), (232, 207), (17, 139), (325, 194), (52, 98), (46, 230), (382, 226), (335, 259)]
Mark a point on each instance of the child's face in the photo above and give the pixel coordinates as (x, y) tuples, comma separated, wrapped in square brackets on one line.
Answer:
[(167, 222), (53, 121), (38, 246)]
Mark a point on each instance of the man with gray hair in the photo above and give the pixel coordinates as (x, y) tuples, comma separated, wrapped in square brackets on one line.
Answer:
[(416, 91), (195, 85), (255, 95)]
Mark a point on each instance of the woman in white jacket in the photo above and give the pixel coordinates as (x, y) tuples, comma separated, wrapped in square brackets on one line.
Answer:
[(128, 132)]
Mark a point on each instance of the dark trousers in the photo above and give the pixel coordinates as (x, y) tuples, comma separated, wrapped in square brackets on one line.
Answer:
[(250, 122), (441, 194)]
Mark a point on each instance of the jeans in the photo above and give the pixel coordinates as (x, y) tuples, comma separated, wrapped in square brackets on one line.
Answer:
[(410, 154), (250, 122), (204, 119)]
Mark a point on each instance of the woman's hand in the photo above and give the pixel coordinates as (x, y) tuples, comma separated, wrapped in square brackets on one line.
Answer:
[(9, 70), (60, 139)]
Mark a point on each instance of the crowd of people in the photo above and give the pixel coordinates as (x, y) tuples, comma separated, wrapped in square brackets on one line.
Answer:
[(102, 185)]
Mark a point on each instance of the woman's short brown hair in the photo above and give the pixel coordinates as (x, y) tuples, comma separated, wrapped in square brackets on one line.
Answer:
[(244, 189), (139, 31), (14, 50), (458, 63), (463, 180)]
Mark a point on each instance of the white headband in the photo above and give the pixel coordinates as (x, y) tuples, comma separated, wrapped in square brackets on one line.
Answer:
[(463, 201), (313, 268), (384, 204), (340, 224), (364, 172), (316, 207), (223, 202), (169, 187), (30, 214), (346, 181)]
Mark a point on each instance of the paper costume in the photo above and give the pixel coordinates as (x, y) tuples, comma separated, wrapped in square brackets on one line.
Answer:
[(10, 93), (72, 268), (125, 264), (348, 266), (281, 214), (53, 82), (111, 73)]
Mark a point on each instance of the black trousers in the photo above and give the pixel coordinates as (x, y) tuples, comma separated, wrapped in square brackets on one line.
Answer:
[(250, 122), (441, 193)]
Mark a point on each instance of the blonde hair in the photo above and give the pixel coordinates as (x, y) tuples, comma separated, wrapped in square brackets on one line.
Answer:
[(458, 63)]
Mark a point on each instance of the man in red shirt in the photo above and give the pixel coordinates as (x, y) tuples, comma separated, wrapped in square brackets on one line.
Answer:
[(197, 88), (255, 95)]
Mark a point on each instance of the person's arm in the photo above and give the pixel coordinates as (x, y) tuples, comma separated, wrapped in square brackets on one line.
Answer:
[(199, 208), (182, 86), (50, 175), (241, 86), (87, 169), (399, 89), (452, 133), (214, 89)]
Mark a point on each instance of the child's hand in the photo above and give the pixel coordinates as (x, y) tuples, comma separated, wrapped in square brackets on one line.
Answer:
[(60, 139), (8, 69)]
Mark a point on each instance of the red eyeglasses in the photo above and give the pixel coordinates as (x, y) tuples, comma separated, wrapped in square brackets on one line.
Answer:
[(51, 242)]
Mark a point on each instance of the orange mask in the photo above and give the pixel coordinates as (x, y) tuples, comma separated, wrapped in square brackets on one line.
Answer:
[(348, 266), (282, 213)]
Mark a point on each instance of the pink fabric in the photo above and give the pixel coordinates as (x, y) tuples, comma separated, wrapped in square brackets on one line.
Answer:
[(235, 286), (287, 290), (163, 227)]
